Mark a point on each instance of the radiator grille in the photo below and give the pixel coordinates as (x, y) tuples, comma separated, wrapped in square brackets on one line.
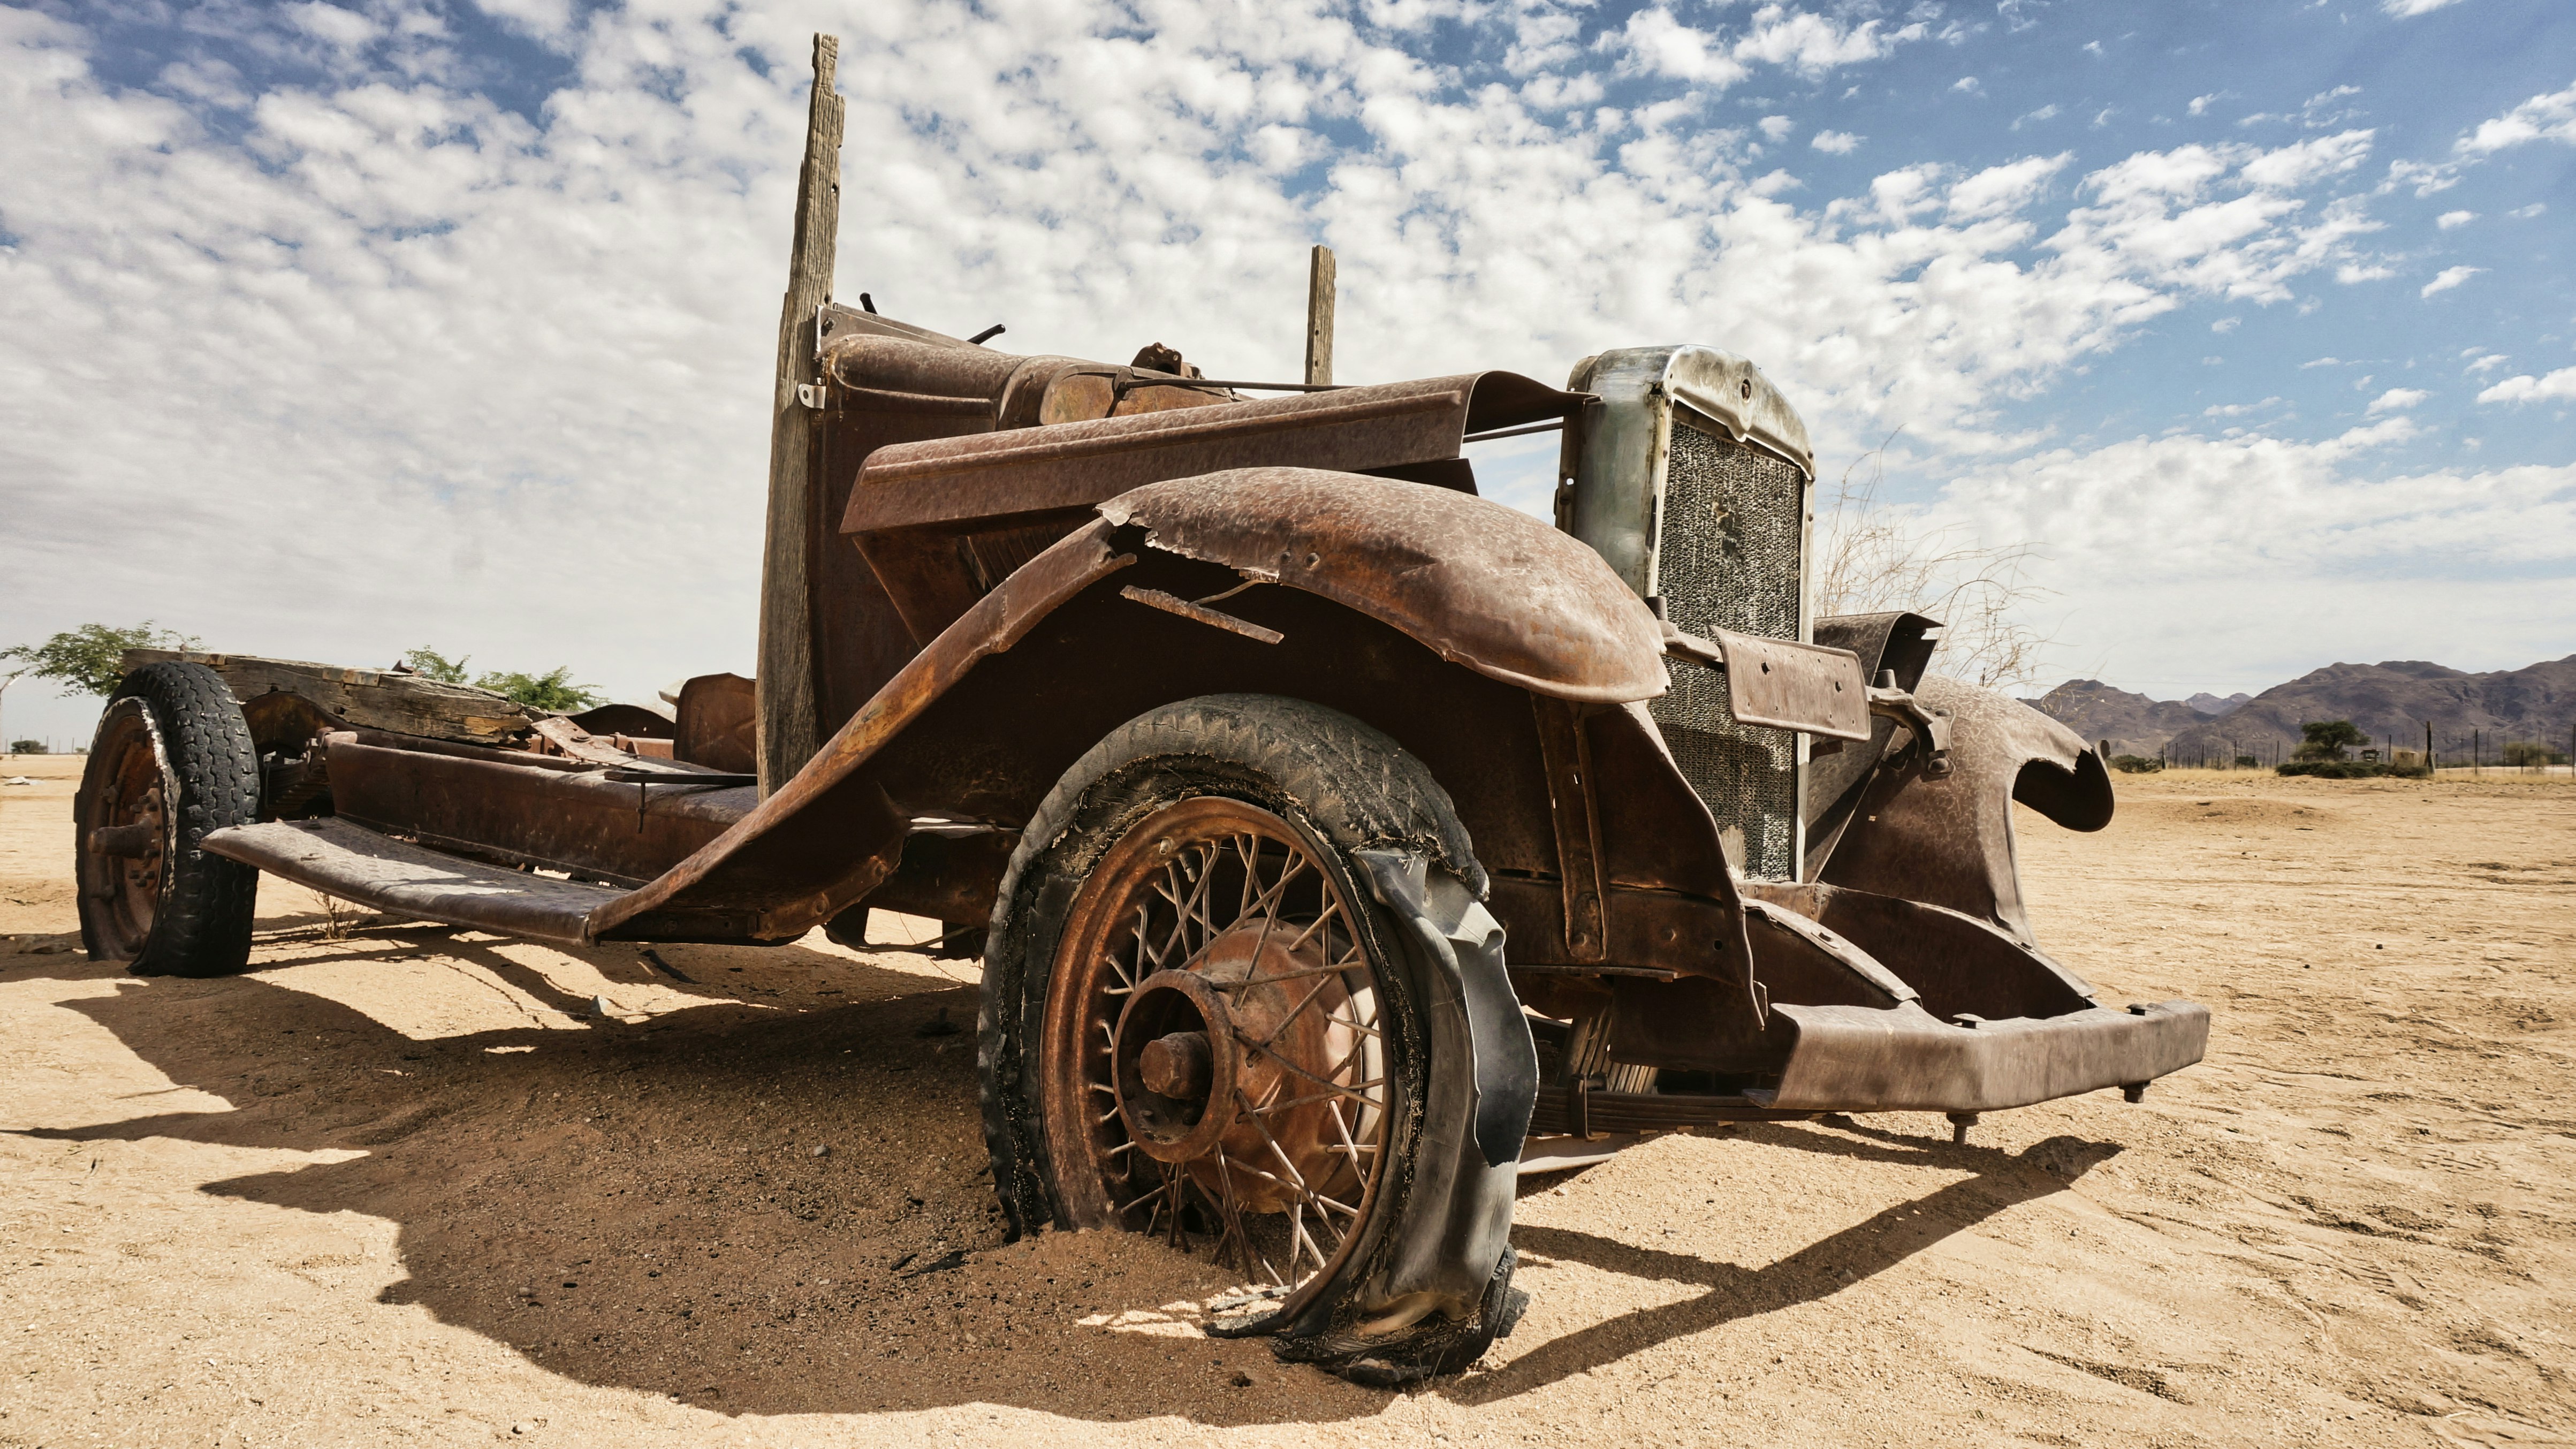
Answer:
[(1729, 557)]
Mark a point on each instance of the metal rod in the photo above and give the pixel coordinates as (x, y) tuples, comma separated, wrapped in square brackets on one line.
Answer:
[(1553, 425), (1160, 380)]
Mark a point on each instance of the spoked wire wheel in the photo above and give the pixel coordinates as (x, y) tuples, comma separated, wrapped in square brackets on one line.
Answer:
[(1214, 1049)]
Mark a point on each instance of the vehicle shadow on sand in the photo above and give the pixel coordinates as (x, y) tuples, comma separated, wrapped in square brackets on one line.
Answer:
[(638, 1206), (1821, 1269)]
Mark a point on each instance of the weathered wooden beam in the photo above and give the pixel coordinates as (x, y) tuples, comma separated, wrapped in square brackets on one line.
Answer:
[(409, 704), (1320, 290), (790, 728)]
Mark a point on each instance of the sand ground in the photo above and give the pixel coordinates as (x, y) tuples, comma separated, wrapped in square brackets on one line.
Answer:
[(399, 1185)]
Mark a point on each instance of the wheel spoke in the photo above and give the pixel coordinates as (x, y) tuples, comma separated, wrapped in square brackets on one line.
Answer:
[(1294, 1012), (1355, 1092)]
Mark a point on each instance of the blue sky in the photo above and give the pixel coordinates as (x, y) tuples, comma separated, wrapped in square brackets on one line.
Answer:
[(332, 329)]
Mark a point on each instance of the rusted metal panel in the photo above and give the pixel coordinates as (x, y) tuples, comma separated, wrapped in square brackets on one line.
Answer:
[(1075, 465), (1484, 585), (718, 723), (562, 814), (930, 516), (1575, 806)]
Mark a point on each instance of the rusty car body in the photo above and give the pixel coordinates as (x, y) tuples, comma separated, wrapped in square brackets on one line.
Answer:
[(1339, 842)]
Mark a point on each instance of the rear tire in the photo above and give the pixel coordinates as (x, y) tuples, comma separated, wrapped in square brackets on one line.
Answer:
[(172, 763), (1189, 861)]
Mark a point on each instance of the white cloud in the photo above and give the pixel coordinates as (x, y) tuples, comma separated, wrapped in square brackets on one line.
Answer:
[(2305, 162), (1814, 43), (1967, 84), (2525, 213), (1835, 143), (2226, 324), (2397, 399), (2406, 8), (2321, 362), (2452, 220), (1999, 190), (505, 373), (2559, 386), (2200, 104), (1655, 42), (2238, 410), (2170, 211), (2229, 545), (2351, 273), (2480, 362), (2044, 113), (2550, 117), (2450, 277), (1777, 128)]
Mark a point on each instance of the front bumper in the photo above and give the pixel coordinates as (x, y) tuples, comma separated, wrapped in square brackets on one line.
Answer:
[(1902, 1059)]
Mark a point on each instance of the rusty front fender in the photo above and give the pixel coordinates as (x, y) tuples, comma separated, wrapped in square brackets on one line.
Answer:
[(1484, 585), (1480, 585)]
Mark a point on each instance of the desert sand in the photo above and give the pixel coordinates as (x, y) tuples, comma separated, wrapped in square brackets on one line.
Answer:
[(401, 1184)]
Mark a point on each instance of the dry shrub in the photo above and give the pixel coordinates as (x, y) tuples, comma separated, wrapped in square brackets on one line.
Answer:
[(1874, 557)]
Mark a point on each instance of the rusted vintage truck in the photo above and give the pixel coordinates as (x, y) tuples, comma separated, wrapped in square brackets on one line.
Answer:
[(1339, 843)]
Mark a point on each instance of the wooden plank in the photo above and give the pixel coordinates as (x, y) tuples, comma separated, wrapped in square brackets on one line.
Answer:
[(1322, 288), (790, 727), (409, 704), (357, 865)]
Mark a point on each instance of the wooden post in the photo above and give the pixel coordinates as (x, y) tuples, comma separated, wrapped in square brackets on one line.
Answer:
[(790, 729), (1320, 288)]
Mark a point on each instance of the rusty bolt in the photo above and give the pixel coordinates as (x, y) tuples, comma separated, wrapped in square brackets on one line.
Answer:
[(1176, 1066)]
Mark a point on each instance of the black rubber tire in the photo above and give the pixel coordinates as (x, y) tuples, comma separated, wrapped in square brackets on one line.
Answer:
[(1341, 783), (201, 925)]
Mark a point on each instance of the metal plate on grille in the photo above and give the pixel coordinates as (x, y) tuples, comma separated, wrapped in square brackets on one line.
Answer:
[(1795, 686)]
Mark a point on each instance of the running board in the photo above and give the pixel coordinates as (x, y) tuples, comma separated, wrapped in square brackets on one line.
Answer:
[(401, 879)]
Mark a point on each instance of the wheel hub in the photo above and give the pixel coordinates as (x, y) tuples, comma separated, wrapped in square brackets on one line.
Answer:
[(1207, 1055)]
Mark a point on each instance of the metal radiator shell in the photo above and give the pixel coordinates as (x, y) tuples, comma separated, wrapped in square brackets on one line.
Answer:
[(1695, 480)]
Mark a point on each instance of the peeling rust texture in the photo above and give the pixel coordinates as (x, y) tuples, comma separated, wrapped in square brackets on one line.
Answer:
[(1483, 585)]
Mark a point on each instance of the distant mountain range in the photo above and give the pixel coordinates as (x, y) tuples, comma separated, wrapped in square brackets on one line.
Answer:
[(2392, 701)]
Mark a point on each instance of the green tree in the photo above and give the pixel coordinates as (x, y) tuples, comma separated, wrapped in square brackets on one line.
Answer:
[(90, 658), (552, 691), (430, 664), (2328, 739)]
